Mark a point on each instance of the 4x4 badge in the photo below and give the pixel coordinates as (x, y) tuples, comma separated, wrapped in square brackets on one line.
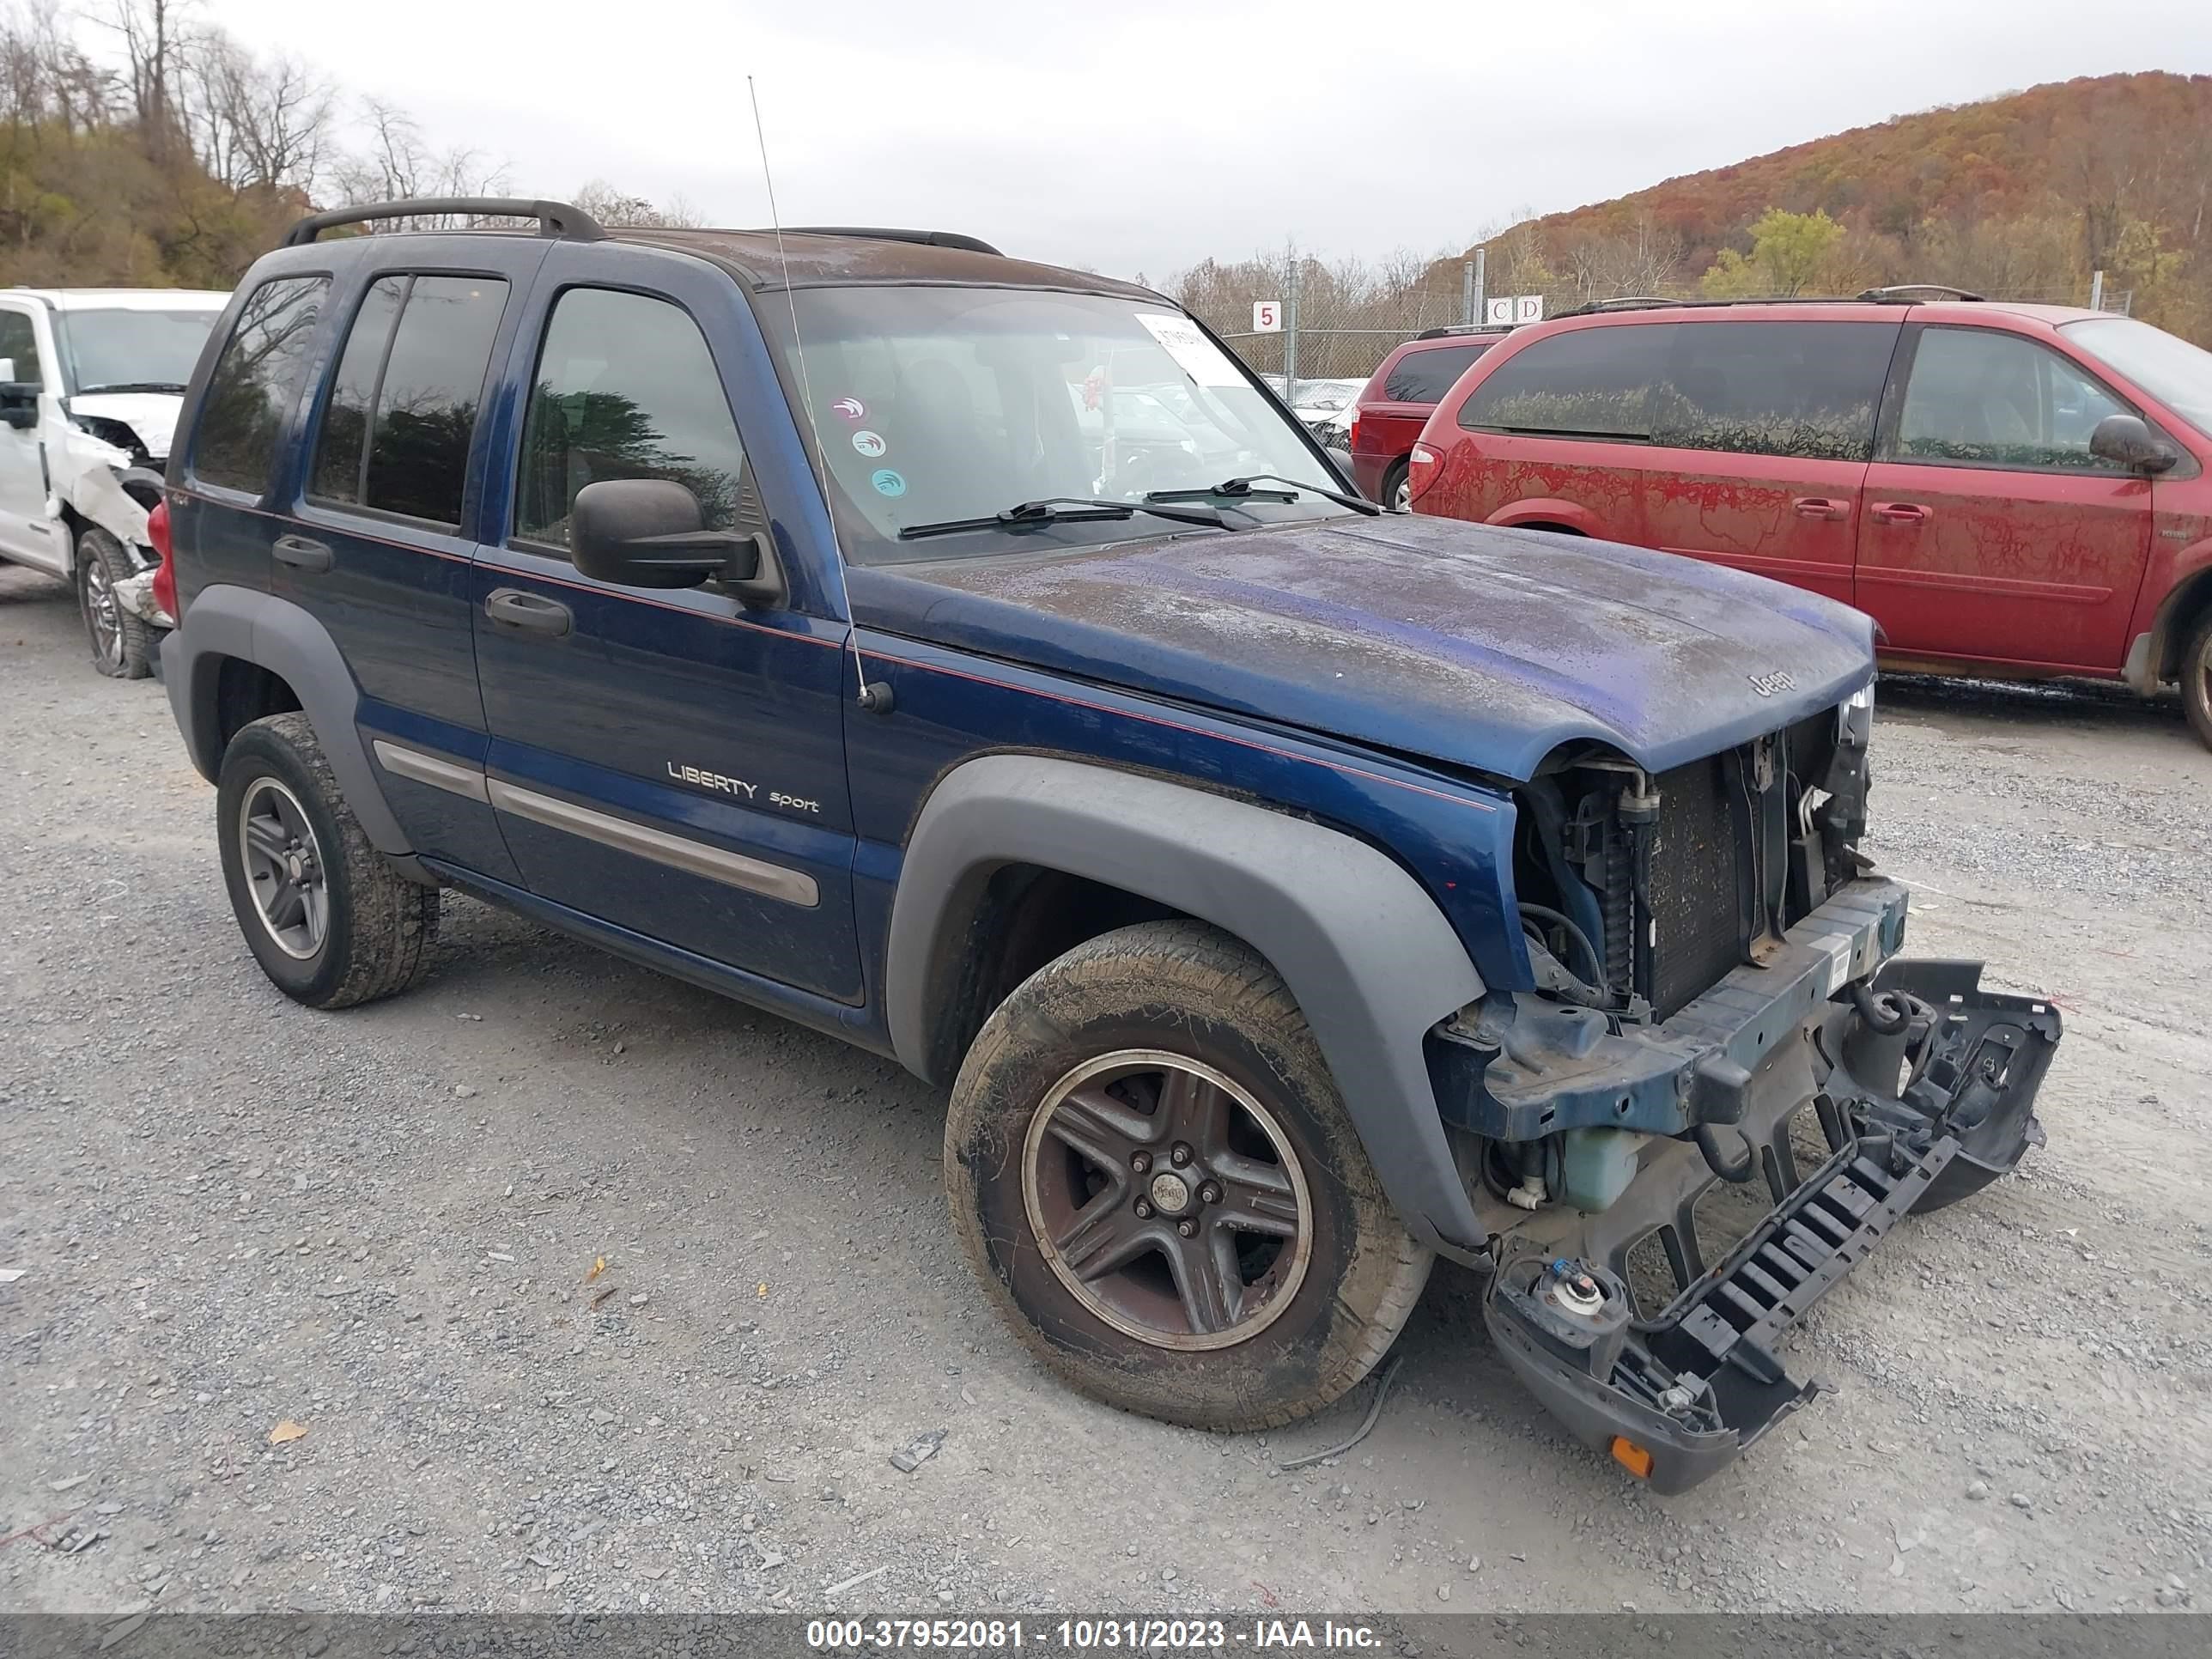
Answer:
[(1768, 685)]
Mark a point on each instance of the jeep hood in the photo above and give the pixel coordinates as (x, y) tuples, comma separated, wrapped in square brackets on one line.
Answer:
[(1479, 646), (151, 415)]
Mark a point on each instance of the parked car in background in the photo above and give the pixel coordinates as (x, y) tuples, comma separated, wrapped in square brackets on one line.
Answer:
[(2010, 490), (1325, 407), (1388, 413), (90, 383), (1285, 894)]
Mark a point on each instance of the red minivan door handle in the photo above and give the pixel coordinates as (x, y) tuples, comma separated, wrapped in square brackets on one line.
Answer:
[(1900, 513), (1819, 507)]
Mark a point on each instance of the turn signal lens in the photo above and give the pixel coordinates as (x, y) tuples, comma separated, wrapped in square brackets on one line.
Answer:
[(1631, 1458)]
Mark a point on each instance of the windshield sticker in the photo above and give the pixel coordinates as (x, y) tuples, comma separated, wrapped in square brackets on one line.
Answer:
[(850, 409), (869, 443), (888, 482), (1196, 355)]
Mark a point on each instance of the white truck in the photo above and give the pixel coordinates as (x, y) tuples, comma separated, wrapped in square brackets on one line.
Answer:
[(91, 380)]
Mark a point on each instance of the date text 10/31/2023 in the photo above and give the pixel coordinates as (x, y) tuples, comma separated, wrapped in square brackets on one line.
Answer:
[(1088, 1635)]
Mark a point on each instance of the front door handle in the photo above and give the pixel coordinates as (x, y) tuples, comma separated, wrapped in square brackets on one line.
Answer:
[(530, 613), (1819, 507), (302, 553), (1900, 513)]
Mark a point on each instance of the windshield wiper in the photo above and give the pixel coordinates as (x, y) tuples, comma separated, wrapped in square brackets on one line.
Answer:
[(1060, 509), (1241, 489), (133, 386)]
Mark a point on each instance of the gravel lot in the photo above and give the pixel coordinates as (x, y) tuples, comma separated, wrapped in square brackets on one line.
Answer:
[(233, 1214)]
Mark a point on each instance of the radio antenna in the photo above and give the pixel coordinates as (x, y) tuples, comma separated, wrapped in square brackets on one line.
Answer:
[(877, 698)]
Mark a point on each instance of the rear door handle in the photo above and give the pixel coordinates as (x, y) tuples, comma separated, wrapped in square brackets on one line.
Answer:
[(302, 553), (1900, 513), (1819, 507), (530, 613)]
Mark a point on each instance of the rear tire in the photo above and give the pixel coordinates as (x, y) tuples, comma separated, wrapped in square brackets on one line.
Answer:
[(326, 915), (1153, 1175), (1397, 493), (122, 644), (2197, 680)]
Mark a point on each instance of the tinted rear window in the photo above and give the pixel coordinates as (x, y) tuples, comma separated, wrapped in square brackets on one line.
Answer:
[(1424, 377), (423, 378), (254, 382), (1588, 383), (1802, 389)]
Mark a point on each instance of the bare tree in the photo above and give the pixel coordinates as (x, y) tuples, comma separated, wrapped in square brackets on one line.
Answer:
[(253, 122), (611, 206), (152, 40), (399, 163)]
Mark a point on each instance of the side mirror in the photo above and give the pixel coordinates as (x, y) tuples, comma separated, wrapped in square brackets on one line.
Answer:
[(651, 532), (2126, 440), (19, 404)]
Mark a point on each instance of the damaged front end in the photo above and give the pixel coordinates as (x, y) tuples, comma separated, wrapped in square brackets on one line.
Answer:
[(1674, 1175), (102, 474)]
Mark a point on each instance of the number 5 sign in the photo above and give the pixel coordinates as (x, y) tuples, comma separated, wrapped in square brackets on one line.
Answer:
[(1266, 316)]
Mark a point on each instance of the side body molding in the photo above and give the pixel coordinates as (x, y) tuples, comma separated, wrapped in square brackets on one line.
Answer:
[(1372, 961), (227, 621)]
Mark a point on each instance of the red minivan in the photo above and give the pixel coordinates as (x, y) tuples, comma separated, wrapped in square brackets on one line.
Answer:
[(1388, 415), (2010, 490)]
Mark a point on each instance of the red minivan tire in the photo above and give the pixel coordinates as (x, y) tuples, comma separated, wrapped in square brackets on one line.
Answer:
[(2197, 679)]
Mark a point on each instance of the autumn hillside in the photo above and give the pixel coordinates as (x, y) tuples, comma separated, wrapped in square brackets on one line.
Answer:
[(2023, 195)]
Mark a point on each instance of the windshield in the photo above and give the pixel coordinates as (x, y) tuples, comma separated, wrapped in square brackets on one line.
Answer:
[(2176, 372), (137, 347), (937, 404)]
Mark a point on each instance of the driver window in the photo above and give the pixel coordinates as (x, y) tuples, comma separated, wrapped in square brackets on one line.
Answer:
[(1984, 397), (626, 388), (19, 340)]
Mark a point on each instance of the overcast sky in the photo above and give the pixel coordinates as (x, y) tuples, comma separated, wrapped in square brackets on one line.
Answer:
[(1139, 136)]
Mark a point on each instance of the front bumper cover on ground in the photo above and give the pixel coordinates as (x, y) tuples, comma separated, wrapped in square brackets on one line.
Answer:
[(1924, 1093)]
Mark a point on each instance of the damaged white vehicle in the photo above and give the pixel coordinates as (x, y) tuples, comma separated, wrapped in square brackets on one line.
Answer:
[(91, 380)]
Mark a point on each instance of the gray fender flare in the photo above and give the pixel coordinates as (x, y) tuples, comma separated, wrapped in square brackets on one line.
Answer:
[(225, 621), (1370, 959)]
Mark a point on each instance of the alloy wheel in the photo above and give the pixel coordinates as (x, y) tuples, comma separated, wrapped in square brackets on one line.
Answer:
[(1167, 1198), (103, 613), (284, 869)]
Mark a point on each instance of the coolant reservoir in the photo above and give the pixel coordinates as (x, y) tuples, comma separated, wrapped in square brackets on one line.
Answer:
[(1597, 1165)]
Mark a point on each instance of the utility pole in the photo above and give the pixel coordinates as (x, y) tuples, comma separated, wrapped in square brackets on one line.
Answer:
[(1290, 335), (1466, 293), (2096, 290), (1481, 286)]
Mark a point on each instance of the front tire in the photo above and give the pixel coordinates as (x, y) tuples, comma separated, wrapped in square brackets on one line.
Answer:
[(326, 915), (2197, 680), (122, 644), (1155, 1179)]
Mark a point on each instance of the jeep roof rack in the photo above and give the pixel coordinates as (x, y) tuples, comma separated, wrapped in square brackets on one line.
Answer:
[(1449, 330), (881, 234), (1904, 294), (554, 218)]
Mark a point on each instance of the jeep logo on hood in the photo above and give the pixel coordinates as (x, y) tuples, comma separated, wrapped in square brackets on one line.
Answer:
[(1768, 685)]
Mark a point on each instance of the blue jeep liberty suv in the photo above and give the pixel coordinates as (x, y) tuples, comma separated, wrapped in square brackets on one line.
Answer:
[(1286, 893)]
